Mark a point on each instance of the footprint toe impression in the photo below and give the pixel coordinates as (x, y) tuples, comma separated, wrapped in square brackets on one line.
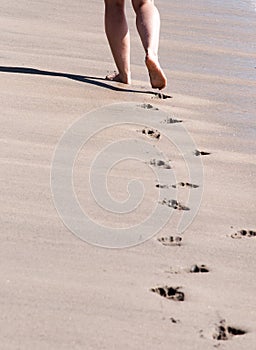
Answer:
[(169, 293)]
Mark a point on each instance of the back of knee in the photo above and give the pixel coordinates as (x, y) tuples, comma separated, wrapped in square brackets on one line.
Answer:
[(137, 4)]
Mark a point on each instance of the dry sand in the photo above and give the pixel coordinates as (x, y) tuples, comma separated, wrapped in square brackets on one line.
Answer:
[(58, 292)]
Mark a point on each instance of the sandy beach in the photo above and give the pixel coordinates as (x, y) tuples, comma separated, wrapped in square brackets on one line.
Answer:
[(177, 290)]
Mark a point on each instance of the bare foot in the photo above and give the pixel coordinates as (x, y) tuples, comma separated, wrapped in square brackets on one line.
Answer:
[(157, 77), (117, 77)]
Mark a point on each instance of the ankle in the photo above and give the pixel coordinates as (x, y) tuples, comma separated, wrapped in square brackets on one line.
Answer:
[(125, 77), (151, 54)]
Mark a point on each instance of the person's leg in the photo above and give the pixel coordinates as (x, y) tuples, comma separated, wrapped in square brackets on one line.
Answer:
[(148, 25), (118, 37)]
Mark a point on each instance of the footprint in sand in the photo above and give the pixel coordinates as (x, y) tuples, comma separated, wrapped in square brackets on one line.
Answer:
[(170, 240), (169, 293), (201, 153), (199, 269), (148, 106), (170, 120), (174, 320), (225, 332), (185, 184), (172, 203), (180, 184), (193, 269), (153, 133), (160, 163), (161, 96), (243, 233), (162, 186)]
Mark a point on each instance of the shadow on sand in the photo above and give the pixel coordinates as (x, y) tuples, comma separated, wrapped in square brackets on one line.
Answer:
[(100, 82)]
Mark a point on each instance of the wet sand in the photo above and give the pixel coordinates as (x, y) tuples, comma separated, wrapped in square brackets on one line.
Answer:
[(60, 292)]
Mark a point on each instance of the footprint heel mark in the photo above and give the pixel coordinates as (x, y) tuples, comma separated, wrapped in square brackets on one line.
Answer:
[(170, 240), (243, 233), (170, 120), (199, 269), (160, 163), (172, 203), (151, 133), (225, 332), (172, 293), (185, 184), (201, 153), (148, 106)]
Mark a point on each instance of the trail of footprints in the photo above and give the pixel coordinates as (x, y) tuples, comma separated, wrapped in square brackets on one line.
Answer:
[(222, 330)]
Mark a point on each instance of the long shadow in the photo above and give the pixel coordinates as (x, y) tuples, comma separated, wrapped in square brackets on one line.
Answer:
[(81, 78)]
